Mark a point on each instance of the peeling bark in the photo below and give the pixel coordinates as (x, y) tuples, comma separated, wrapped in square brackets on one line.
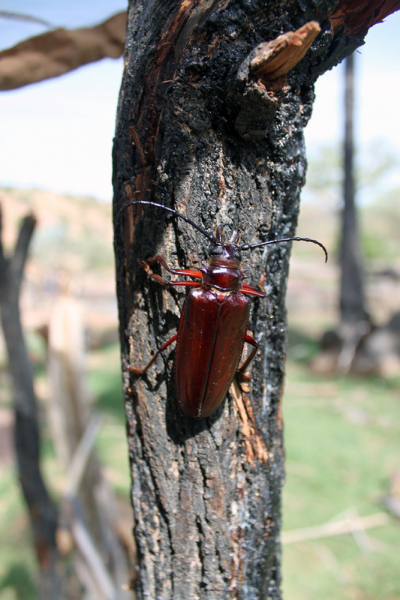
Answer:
[(196, 134)]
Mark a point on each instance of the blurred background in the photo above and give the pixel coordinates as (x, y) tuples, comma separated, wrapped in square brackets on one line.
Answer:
[(341, 504)]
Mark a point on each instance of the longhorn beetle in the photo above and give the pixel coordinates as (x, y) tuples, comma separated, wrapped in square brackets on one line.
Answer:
[(213, 325)]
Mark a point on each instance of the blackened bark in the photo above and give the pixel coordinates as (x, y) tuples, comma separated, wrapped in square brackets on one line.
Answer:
[(26, 429), (205, 128), (352, 303)]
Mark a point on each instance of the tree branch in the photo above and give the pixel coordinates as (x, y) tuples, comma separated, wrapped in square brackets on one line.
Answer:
[(60, 51), (6, 14)]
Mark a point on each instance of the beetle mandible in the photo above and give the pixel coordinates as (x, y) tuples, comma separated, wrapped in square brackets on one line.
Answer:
[(213, 324)]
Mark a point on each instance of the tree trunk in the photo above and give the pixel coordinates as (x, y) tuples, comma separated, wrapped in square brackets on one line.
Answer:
[(210, 122), (352, 303)]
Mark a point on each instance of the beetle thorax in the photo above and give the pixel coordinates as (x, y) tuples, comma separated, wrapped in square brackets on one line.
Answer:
[(222, 277)]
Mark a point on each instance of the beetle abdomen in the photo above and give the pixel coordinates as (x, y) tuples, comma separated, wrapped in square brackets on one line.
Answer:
[(209, 346)]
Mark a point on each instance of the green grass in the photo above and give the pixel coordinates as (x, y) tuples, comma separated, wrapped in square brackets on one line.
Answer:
[(342, 445), (18, 569)]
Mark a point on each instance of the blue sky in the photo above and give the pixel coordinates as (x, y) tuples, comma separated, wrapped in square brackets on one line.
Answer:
[(57, 134)]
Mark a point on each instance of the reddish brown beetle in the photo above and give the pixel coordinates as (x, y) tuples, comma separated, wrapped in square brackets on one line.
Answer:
[(213, 325)]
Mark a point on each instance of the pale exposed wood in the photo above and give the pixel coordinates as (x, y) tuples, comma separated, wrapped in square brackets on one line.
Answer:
[(276, 58)]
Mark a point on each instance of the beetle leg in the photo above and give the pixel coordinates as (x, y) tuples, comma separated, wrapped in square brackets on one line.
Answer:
[(253, 291), (164, 282), (186, 272), (241, 371), (141, 372), (261, 283), (185, 283)]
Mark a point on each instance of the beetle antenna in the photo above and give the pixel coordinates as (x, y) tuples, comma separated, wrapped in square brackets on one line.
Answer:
[(293, 239), (173, 211)]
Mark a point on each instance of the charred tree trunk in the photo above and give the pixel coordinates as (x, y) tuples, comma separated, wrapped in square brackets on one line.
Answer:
[(352, 303), (26, 430), (210, 122)]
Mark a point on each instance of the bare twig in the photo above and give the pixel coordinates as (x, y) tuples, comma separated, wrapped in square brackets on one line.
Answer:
[(6, 14), (85, 545), (81, 456), (333, 528)]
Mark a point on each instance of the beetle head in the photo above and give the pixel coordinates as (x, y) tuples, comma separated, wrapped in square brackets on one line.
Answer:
[(226, 253)]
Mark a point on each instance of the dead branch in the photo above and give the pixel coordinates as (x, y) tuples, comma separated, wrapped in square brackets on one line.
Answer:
[(57, 52)]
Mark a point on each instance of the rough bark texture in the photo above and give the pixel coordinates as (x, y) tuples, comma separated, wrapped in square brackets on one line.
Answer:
[(26, 429), (352, 304), (201, 128)]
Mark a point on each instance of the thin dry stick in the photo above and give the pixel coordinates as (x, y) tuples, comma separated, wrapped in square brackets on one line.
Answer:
[(92, 568), (81, 456), (333, 528), (360, 535), (93, 560)]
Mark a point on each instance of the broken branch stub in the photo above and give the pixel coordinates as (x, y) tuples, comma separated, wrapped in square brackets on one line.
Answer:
[(262, 75), (273, 60)]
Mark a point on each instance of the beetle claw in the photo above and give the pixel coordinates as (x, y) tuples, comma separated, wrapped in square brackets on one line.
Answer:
[(135, 371), (243, 381)]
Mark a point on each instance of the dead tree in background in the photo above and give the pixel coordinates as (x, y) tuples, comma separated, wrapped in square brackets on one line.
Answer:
[(352, 301), (26, 430), (211, 114)]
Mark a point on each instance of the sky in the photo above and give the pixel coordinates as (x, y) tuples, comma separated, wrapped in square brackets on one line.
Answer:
[(57, 134)]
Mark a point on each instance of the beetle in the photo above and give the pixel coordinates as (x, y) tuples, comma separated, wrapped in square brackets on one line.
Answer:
[(213, 325)]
